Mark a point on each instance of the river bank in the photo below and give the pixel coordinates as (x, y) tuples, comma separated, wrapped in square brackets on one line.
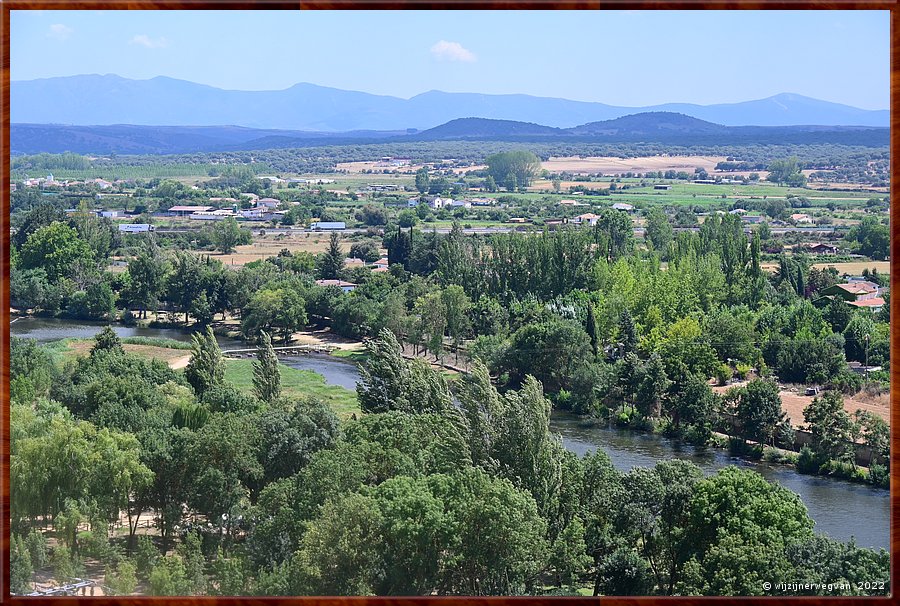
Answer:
[(841, 509)]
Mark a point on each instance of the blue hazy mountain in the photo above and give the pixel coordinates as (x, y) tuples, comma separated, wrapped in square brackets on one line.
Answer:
[(110, 99)]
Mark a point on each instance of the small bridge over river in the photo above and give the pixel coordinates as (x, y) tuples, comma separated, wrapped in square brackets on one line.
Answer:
[(287, 350)]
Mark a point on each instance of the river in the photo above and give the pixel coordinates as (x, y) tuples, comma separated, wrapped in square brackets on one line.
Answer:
[(840, 509)]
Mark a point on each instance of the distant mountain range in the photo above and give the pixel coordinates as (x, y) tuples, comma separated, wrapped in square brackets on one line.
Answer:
[(649, 127), (110, 99)]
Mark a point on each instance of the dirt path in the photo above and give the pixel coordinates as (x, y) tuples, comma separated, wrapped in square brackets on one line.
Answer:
[(179, 363)]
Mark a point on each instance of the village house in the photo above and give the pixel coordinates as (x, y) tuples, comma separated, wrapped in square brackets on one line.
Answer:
[(820, 248), (623, 206), (801, 218), (589, 218), (344, 286), (858, 293), (270, 203)]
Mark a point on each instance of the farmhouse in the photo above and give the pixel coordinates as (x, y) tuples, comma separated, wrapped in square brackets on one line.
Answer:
[(622, 206), (820, 248), (801, 218)]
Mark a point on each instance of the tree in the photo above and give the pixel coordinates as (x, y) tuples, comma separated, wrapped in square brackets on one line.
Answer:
[(759, 410), (148, 276), (831, 427), (659, 231), (185, 281), (122, 580), (206, 368), (740, 525), (432, 312), (389, 382), (223, 465), (282, 310), (331, 262), (614, 234), (656, 515), (341, 549), (266, 373), (57, 249), (227, 234), (653, 387), (550, 351), (368, 251), (871, 238), (291, 433), (370, 214), (591, 329), (514, 168), (786, 172), (168, 578), (458, 308), (627, 333), (422, 180), (20, 566)]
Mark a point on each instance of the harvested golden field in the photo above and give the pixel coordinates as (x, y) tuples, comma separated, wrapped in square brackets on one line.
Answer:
[(609, 165), (856, 268), (264, 247)]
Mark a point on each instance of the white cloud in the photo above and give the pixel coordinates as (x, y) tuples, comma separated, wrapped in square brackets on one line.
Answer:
[(145, 40), (60, 32), (452, 51)]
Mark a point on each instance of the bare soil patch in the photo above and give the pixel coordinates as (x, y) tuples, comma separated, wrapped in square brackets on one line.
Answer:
[(793, 402)]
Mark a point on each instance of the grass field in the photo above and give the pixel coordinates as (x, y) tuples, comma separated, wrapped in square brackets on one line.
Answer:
[(297, 383), (160, 349)]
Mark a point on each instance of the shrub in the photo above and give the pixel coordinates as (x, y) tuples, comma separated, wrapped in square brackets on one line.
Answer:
[(36, 544), (723, 374), (879, 476), (807, 462), (122, 581)]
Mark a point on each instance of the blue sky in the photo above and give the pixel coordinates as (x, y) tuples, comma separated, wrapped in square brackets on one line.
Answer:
[(629, 58)]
